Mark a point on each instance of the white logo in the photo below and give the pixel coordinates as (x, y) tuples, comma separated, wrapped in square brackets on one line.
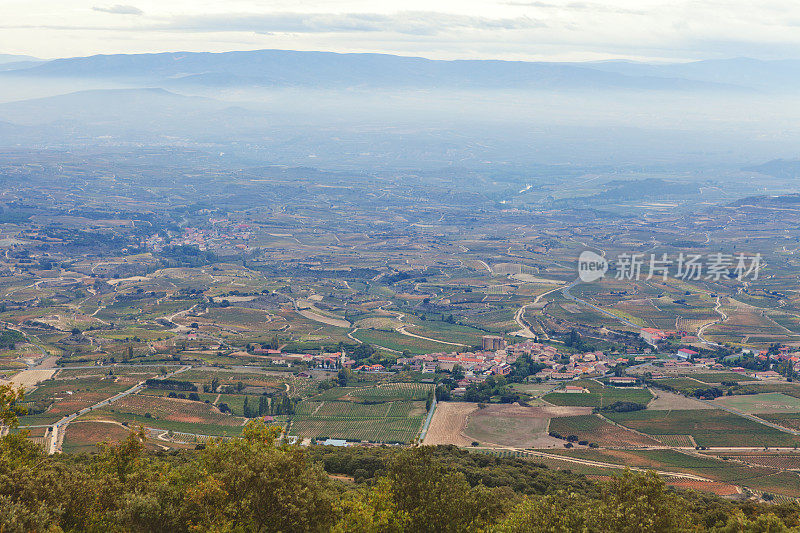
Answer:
[(591, 266)]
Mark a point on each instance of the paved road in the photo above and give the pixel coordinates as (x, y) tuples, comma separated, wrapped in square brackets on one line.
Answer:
[(427, 423), (723, 318)]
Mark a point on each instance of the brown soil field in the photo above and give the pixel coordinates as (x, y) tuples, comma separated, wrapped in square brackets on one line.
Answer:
[(666, 401), (83, 436), (516, 426), (447, 425), (175, 410), (714, 487)]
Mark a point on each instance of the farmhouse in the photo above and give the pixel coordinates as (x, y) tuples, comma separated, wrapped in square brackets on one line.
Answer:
[(652, 335), (686, 353), (574, 389)]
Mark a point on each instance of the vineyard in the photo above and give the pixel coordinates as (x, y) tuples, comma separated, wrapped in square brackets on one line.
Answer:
[(170, 414), (596, 429), (679, 441), (780, 461), (390, 413), (175, 409), (387, 430)]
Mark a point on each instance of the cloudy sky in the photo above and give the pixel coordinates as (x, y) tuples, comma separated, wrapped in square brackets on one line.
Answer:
[(511, 29)]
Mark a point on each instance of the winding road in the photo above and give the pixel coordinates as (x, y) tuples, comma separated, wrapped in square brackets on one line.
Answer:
[(57, 430)]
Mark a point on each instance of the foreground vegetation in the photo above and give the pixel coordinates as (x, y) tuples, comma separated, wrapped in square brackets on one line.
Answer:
[(256, 483), (252, 484)]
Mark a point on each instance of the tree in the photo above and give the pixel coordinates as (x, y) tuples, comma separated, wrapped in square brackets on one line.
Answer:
[(418, 486), (246, 407), (122, 459), (249, 484), (363, 351), (10, 408), (639, 503), (343, 376)]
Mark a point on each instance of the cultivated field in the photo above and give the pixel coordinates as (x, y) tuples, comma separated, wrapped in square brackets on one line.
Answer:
[(389, 412), (665, 401), (600, 397), (516, 426), (710, 427), (448, 423), (170, 414), (83, 436), (768, 402), (594, 429)]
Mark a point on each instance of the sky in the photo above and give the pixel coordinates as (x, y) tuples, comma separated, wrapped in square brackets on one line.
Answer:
[(551, 30)]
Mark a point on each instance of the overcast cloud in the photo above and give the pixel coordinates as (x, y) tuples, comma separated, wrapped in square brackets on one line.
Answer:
[(119, 9), (507, 29)]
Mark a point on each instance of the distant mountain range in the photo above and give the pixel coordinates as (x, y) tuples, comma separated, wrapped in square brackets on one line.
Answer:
[(745, 72), (779, 168), (11, 58), (15, 62), (283, 68)]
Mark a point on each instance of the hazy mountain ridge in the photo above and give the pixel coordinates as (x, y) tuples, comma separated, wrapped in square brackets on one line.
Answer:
[(14, 58), (284, 68), (779, 168), (770, 75)]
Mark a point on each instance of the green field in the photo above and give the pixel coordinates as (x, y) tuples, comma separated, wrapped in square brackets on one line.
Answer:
[(594, 429), (709, 427), (599, 397), (399, 342), (790, 389), (387, 430), (683, 385), (767, 402), (444, 331), (389, 412), (719, 377)]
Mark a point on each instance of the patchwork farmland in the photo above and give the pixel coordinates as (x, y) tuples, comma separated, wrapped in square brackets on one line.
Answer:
[(708, 427), (387, 413)]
